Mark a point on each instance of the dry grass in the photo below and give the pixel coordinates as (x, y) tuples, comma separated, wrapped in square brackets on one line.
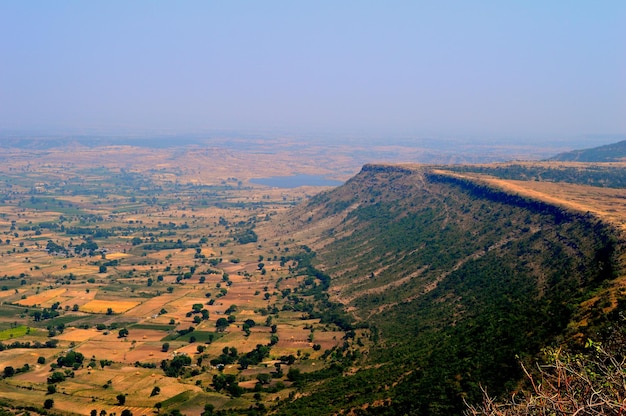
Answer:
[(591, 384), (45, 298), (102, 306), (606, 203)]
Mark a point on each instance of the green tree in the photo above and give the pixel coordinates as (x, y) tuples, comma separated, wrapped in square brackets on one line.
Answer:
[(9, 371), (175, 366), (293, 374), (208, 410), (121, 399), (37, 316), (221, 324), (244, 362), (48, 404), (155, 391), (56, 377), (71, 359), (264, 378)]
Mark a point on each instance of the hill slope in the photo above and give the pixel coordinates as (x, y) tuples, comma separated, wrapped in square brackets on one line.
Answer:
[(456, 279), (614, 152)]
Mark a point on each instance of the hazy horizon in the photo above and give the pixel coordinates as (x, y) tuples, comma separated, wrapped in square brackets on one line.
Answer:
[(487, 71)]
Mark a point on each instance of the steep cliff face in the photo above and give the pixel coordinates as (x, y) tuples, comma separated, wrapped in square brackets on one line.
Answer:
[(455, 279)]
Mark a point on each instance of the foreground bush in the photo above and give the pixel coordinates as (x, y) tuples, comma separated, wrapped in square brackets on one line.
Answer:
[(590, 383)]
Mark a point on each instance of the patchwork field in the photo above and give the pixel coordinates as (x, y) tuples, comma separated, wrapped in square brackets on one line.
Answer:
[(136, 262), (133, 279)]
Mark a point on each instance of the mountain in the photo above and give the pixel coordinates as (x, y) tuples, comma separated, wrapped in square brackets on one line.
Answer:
[(615, 152), (450, 279)]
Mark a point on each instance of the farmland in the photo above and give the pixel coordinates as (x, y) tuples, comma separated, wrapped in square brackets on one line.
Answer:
[(150, 270), (168, 281)]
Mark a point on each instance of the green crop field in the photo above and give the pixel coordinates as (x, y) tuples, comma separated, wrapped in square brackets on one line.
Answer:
[(13, 333)]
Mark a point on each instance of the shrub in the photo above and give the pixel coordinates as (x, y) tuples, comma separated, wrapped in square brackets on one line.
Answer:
[(568, 384)]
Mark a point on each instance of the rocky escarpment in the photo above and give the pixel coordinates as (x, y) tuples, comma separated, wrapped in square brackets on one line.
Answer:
[(456, 279)]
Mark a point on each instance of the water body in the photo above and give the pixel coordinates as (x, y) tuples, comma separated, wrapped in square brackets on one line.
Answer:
[(296, 181)]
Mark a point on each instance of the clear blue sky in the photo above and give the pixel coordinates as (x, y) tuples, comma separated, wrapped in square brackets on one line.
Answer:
[(496, 69)]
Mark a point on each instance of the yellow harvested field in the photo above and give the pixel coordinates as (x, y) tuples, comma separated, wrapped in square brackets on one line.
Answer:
[(109, 347), (101, 306), (81, 293), (146, 335), (78, 270), (115, 256), (42, 298), (147, 353), (17, 355), (77, 335), (151, 307)]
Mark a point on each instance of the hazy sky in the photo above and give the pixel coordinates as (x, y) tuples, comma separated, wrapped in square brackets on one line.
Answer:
[(510, 69)]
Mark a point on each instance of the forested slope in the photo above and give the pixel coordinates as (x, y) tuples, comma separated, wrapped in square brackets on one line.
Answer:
[(457, 282), (613, 152)]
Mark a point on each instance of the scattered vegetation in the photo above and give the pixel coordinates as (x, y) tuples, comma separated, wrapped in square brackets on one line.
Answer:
[(455, 281), (406, 291)]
